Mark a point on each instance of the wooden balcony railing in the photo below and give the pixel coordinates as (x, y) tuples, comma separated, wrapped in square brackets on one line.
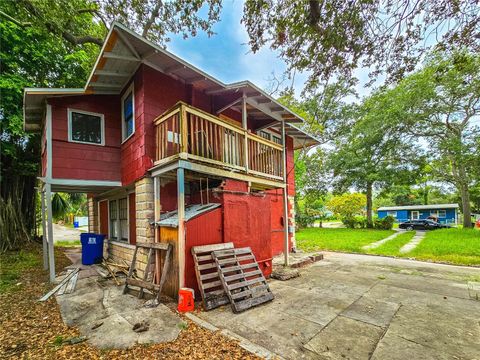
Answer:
[(207, 138)]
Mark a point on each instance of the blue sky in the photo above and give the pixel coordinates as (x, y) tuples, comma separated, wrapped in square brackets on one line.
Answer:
[(226, 55)]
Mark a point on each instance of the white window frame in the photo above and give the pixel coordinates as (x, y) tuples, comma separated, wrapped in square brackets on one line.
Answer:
[(415, 218), (102, 126), (118, 226), (130, 89), (436, 213), (392, 213)]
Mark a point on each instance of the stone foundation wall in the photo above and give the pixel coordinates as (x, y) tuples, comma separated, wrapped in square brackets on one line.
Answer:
[(121, 253), (93, 219), (144, 199)]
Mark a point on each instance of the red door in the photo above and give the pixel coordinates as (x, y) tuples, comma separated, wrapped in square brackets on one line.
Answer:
[(104, 217)]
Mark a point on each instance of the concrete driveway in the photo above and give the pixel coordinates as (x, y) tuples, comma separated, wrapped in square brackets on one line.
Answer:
[(366, 307)]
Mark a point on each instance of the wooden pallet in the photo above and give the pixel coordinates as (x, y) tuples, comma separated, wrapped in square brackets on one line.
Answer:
[(242, 278), (148, 278), (211, 288)]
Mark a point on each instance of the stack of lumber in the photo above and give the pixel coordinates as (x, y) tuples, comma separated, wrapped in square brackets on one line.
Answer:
[(66, 286)]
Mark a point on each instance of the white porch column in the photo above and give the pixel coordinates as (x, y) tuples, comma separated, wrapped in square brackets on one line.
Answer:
[(285, 197), (51, 259), (181, 226), (44, 229)]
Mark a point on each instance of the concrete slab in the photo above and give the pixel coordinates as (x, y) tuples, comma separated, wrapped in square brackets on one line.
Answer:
[(357, 306), (371, 311), (96, 301), (346, 338)]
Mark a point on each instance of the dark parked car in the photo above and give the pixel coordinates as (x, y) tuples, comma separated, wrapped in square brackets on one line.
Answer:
[(421, 225)]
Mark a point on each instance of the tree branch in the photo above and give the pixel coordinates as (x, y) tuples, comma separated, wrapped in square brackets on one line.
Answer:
[(152, 18), (74, 40), (15, 21)]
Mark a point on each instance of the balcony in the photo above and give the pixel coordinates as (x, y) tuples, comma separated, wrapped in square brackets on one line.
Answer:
[(185, 132)]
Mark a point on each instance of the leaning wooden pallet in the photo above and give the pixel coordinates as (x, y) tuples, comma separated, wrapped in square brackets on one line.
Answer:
[(148, 279), (242, 278), (211, 288)]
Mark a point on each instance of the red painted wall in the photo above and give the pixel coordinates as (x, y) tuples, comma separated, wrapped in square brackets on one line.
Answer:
[(84, 161), (205, 229)]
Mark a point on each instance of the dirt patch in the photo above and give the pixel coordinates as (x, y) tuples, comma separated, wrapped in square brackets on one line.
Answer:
[(33, 330)]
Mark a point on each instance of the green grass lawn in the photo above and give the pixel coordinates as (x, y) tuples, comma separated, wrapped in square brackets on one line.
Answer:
[(456, 246), (349, 240), (391, 247)]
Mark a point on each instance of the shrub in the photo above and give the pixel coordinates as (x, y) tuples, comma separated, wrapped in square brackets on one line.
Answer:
[(355, 222), (385, 223)]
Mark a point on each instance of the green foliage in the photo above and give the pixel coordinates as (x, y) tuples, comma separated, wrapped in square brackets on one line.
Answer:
[(347, 205), (31, 56), (355, 222), (330, 39), (439, 104), (385, 223)]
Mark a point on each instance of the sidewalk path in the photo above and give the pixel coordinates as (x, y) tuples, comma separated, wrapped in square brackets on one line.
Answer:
[(417, 239), (378, 243)]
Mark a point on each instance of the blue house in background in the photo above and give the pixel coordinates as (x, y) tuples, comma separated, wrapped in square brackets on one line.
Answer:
[(444, 213)]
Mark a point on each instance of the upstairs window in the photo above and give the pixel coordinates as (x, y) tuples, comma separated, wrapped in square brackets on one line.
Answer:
[(86, 127), (128, 114)]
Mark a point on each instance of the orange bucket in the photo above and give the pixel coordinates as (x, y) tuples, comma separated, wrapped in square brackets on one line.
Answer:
[(186, 297)]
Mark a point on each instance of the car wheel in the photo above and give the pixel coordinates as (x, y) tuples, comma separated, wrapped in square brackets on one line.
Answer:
[(409, 228)]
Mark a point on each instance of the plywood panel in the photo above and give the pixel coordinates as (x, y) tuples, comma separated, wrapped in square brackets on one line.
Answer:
[(170, 235)]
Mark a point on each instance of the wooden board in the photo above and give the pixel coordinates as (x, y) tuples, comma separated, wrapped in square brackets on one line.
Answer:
[(242, 279), (211, 288)]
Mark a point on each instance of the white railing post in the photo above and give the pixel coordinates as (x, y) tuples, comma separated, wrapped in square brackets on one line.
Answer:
[(245, 127)]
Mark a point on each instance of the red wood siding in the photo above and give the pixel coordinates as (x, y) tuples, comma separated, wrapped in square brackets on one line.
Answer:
[(103, 212), (132, 219), (205, 229), (84, 161)]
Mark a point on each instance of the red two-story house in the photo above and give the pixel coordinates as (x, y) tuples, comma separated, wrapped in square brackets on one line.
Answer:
[(167, 153)]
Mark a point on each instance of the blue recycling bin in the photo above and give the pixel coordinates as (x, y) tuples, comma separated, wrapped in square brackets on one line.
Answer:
[(75, 224), (92, 248)]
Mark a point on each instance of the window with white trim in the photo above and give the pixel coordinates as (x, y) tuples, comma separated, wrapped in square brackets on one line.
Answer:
[(123, 218), (392, 213), (112, 211), (128, 113), (86, 127), (415, 215), (439, 213), (118, 215)]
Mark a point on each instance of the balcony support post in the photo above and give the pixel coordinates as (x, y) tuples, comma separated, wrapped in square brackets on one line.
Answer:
[(285, 197), (181, 226), (183, 129), (51, 256), (157, 211), (245, 126)]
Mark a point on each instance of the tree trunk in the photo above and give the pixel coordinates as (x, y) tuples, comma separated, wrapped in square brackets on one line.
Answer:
[(369, 205), (465, 196), (466, 209)]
